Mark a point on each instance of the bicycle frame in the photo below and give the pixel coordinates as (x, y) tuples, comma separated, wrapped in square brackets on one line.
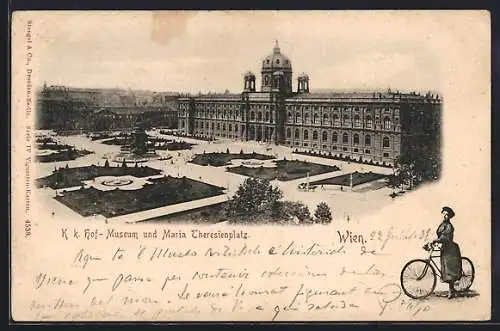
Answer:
[(430, 261)]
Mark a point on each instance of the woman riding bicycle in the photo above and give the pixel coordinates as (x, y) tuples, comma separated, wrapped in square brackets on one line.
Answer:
[(451, 260)]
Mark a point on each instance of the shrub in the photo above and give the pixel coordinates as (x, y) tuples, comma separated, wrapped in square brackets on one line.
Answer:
[(323, 213)]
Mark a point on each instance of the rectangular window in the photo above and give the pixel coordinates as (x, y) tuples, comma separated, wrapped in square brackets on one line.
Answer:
[(386, 154), (356, 150), (367, 151), (306, 144), (344, 148), (334, 147)]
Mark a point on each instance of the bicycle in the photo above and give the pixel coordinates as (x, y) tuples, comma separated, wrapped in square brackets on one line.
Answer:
[(418, 276)]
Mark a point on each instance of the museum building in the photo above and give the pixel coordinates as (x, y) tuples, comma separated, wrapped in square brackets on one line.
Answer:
[(372, 126)]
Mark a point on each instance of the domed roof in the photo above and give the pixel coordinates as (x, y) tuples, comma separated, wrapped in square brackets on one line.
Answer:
[(276, 60)]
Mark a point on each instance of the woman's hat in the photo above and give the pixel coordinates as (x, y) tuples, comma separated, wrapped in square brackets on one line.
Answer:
[(450, 211)]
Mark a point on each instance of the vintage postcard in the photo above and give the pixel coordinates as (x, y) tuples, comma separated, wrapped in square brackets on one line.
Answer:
[(250, 166)]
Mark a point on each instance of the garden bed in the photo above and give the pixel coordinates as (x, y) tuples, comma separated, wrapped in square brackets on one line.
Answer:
[(358, 178), (72, 177), (162, 192), (221, 159), (285, 170)]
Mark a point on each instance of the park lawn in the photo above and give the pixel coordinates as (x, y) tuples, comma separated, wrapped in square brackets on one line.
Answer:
[(71, 177), (358, 178), (220, 159), (63, 155), (285, 170), (162, 192)]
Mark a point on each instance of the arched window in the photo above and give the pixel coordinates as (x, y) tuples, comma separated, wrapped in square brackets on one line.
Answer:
[(369, 122), (315, 118), (224, 126), (336, 119), (335, 137), (266, 78), (324, 136), (315, 135), (345, 138), (252, 116), (267, 116), (306, 134), (236, 128), (385, 142), (230, 127), (325, 119), (346, 119), (387, 123), (218, 126), (368, 140), (297, 117), (306, 118), (259, 116), (356, 139), (288, 133), (212, 125), (357, 121), (297, 134), (289, 116)]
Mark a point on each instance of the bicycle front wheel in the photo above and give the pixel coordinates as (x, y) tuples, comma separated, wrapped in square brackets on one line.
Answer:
[(465, 282), (418, 279)]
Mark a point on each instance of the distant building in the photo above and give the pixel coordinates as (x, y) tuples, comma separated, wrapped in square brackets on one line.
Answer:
[(361, 126), (64, 108)]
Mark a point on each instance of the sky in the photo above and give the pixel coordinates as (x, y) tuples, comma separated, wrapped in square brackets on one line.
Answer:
[(211, 51)]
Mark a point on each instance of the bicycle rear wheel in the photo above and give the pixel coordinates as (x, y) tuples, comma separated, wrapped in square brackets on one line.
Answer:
[(468, 272), (418, 279)]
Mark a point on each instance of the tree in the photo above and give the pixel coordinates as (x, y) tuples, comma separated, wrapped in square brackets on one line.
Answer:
[(106, 164), (227, 150), (254, 196), (290, 210), (124, 164), (323, 213)]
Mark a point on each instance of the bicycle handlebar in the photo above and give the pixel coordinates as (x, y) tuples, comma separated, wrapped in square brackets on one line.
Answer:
[(432, 247)]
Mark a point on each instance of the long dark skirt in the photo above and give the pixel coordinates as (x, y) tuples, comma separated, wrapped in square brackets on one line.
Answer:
[(451, 262)]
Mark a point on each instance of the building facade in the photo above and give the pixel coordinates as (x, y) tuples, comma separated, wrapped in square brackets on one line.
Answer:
[(374, 126), (64, 108)]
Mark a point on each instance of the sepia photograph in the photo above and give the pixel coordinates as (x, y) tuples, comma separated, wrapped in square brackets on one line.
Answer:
[(240, 141)]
